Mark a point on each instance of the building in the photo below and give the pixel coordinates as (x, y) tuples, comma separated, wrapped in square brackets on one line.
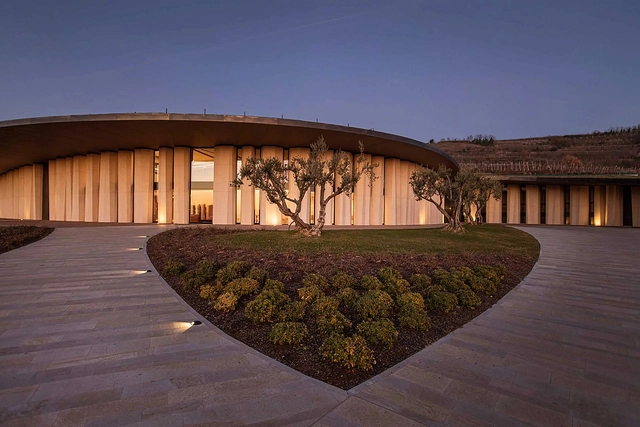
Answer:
[(177, 168)]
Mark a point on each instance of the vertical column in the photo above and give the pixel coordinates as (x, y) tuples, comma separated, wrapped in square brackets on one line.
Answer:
[(599, 205), (376, 216), (165, 185), (92, 194), (362, 196), (125, 186), (328, 219), (3, 195), (224, 194), (61, 176), (343, 202), (402, 192), (247, 192), (68, 187), (555, 204), (181, 184), (614, 206), (635, 206), (494, 211), (513, 204), (143, 186), (26, 173), (579, 205), (305, 210), (37, 183), (108, 192), (78, 188), (412, 203), (13, 182), (52, 190), (391, 171), (269, 213), (533, 204)]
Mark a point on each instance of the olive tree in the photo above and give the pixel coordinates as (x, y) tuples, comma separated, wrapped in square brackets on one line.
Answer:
[(486, 187), (330, 175), (441, 186)]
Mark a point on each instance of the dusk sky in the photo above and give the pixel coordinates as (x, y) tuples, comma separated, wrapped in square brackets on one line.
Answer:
[(421, 69)]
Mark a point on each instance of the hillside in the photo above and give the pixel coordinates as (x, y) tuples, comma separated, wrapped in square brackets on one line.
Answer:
[(614, 151)]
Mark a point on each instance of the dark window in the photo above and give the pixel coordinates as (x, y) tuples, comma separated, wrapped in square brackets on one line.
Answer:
[(523, 205), (627, 214), (543, 205), (504, 206), (567, 205), (591, 205)]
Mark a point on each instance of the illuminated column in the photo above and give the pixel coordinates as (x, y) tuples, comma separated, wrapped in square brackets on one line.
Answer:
[(614, 206), (52, 190), (305, 211), (24, 202), (269, 213), (402, 193), (92, 195), (14, 194), (10, 194), (224, 194), (165, 185), (362, 197), (78, 187), (37, 182), (68, 188), (555, 204), (125, 186), (343, 202), (247, 192), (3, 195), (436, 217), (533, 204), (513, 204), (143, 185), (60, 168), (181, 184), (635, 206), (391, 171), (413, 204), (579, 205), (328, 219), (494, 211), (599, 205), (376, 216), (108, 193)]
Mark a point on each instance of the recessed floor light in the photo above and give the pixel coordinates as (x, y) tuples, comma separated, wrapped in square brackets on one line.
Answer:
[(196, 322)]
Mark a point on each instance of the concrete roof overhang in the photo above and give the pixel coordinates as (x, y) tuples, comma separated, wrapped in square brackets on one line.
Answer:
[(37, 140)]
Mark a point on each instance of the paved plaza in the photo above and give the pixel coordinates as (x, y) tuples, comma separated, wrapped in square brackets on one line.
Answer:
[(88, 337)]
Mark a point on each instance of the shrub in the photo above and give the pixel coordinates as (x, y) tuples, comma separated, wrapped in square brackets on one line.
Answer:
[(173, 268), (260, 275), (379, 331), (350, 352), (492, 277), (189, 280), (260, 310), (347, 296), (206, 271), (325, 305), (279, 299), (242, 287), (210, 292), (450, 282), (285, 276), (275, 285), (374, 304), (439, 299), (397, 288), (288, 333), (310, 293), (411, 313), (470, 278), (293, 311), (420, 283), (233, 270), (388, 275), (342, 280), (392, 282), (226, 302), (467, 297), (370, 283), (335, 322), (316, 280)]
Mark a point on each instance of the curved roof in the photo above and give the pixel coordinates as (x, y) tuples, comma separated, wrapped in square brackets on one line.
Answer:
[(37, 140)]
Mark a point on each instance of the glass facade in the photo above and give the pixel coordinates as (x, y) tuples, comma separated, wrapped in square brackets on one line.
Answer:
[(201, 205)]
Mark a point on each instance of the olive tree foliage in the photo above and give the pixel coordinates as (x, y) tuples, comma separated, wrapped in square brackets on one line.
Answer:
[(330, 176), (460, 190), (486, 187)]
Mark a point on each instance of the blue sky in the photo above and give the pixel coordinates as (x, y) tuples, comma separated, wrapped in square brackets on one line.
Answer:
[(421, 69)]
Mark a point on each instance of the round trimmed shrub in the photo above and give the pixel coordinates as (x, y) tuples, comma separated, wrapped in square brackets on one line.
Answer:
[(260, 310), (440, 300), (347, 296), (370, 283), (293, 311), (352, 352), (288, 333), (468, 298), (260, 275), (420, 283), (379, 331), (411, 313), (316, 280), (335, 322), (274, 285), (374, 304), (325, 305), (242, 287), (210, 292), (226, 302), (233, 270), (173, 268), (310, 293), (342, 280)]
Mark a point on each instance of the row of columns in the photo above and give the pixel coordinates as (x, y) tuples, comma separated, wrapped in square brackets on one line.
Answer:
[(607, 205), (21, 193)]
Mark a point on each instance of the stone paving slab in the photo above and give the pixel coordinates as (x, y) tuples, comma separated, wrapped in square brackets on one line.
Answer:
[(87, 338)]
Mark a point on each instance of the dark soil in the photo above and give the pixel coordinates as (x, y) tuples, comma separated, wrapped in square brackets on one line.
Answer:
[(14, 237), (292, 267)]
